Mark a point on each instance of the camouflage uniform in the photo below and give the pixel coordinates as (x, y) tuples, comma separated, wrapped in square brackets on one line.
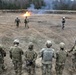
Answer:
[(16, 56), (47, 55), (60, 60), (63, 22), (30, 57), (2, 55), (26, 22), (17, 20), (74, 59)]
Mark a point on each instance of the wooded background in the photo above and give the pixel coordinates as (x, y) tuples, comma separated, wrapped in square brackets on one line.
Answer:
[(38, 4)]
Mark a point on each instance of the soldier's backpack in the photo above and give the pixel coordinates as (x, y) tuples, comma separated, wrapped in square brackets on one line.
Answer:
[(30, 55), (47, 54)]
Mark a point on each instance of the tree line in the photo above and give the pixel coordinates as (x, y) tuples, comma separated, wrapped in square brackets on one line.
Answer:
[(24, 4)]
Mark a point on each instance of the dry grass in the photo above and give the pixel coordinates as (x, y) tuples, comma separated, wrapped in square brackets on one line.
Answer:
[(42, 28)]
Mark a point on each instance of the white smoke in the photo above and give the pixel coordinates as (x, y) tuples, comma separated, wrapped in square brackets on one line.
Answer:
[(32, 7), (48, 6)]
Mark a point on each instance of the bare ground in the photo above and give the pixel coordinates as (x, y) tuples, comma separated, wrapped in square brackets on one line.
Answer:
[(42, 27)]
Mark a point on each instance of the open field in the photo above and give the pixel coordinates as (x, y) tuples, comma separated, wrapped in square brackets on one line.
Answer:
[(42, 27)]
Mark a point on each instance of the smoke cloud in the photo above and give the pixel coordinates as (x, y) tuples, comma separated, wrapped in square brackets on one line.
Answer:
[(48, 6), (53, 4)]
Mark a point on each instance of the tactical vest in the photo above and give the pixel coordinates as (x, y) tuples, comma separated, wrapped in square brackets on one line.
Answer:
[(47, 54)]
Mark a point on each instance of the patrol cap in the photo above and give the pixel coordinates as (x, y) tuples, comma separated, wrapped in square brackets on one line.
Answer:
[(62, 45), (16, 41), (48, 43)]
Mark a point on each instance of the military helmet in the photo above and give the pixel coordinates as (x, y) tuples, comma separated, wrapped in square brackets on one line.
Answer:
[(48, 43), (30, 46), (16, 41), (62, 45), (63, 17)]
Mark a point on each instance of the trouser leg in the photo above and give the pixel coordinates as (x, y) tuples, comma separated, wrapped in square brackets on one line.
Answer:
[(49, 66), (43, 69)]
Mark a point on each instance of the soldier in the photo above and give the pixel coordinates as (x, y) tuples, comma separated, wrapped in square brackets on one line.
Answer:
[(30, 57), (16, 56), (73, 51), (47, 55), (63, 22), (17, 20), (26, 22), (60, 59), (2, 55)]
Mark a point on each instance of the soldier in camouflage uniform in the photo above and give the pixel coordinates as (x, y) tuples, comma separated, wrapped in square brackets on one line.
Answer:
[(63, 22), (2, 55), (30, 57), (17, 20), (26, 22), (73, 51), (16, 56), (47, 55), (60, 59)]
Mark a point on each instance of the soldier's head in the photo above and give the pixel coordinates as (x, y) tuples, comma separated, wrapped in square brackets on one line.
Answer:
[(30, 46), (48, 43), (62, 46), (16, 42)]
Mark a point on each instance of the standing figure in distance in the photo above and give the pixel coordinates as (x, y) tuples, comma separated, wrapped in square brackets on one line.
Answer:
[(30, 57), (2, 55), (17, 21), (47, 55), (60, 59), (16, 56), (26, 22), (63, 22)]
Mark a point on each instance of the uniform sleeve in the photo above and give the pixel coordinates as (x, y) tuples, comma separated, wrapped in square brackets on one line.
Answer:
[(25, 54), (54, 53), (4, 53), (57, 55), (35, 56), (10, 53), (41, 53), (66, 53), (21, 51)]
